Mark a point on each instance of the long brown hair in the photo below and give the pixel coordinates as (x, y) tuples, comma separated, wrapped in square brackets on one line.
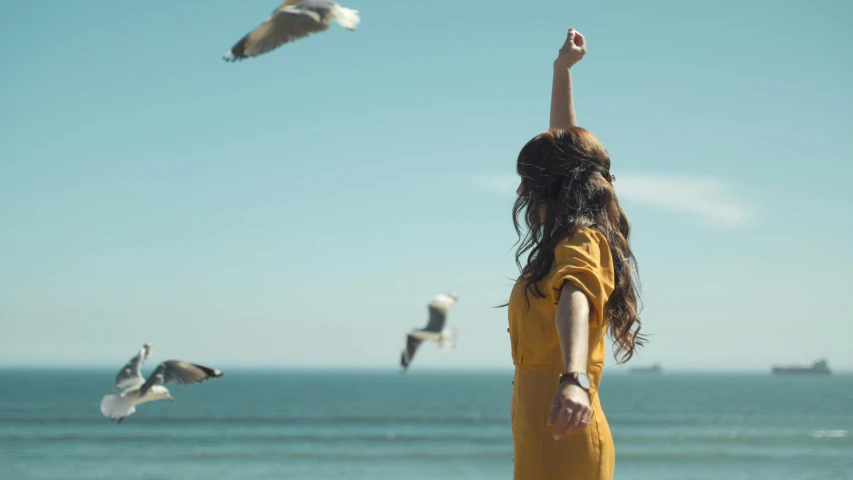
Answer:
[(567, 186)]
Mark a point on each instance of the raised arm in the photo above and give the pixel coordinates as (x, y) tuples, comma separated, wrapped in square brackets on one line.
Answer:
[(562, 106)]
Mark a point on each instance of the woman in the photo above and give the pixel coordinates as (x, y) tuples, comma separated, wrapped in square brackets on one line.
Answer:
[(577, 283)]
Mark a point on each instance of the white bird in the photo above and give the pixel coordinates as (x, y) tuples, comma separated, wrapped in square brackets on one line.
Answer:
[(292, 20), (436, 329), (138, 390)]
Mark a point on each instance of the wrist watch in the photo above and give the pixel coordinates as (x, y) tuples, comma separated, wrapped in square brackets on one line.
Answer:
[(580, 379)]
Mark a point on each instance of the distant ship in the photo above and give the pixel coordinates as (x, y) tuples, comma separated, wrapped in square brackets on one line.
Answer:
[(820, 367), (652, 369)]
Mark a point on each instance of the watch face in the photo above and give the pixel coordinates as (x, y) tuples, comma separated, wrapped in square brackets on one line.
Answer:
[(583, 381), (580, 379)]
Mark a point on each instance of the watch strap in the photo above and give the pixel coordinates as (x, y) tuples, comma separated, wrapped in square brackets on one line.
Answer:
[(572, 377)]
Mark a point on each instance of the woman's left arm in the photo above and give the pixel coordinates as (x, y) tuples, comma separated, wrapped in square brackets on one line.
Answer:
[(562, 104), (570, 410)]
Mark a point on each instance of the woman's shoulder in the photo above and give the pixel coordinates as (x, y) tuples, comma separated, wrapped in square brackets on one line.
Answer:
[(587, 246), (585, 257), (588, 238)]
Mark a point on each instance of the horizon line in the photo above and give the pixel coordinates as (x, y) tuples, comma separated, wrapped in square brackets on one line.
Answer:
[(374, 368)]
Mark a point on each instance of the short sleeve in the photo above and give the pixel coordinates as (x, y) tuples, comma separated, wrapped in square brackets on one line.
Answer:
[(584, 260)]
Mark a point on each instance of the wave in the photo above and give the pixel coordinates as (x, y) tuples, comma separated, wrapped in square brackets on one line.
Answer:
[(269, 420), (252, 438), (753, 436), (277, 455), (472, 438), (166, 455)]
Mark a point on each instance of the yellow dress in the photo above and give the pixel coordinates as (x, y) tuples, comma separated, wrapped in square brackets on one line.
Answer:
[(584, 260)]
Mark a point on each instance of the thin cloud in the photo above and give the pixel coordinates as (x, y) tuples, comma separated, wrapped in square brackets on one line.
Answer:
[(498, 182), (707, 198)]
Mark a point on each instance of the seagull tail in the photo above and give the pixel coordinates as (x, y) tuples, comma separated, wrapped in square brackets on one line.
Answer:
[(116, 407), (347, 17), (447, 338)]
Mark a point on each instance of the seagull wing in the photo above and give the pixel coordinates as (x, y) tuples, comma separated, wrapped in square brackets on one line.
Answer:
[(412, 344), (285, 25), (130, 374), (438, 309), (437, 319), (287, 3), (183, 373)]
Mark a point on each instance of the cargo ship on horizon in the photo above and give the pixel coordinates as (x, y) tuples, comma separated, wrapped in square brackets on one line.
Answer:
[(656, 368), (820, 367)]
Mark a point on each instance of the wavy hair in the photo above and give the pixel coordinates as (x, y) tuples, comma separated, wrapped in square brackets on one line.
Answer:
[(566, 186)]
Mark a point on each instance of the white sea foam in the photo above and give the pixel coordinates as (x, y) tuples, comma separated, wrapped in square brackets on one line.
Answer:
[(829, 433)]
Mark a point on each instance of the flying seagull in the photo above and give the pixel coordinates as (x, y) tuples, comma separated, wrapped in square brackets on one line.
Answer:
[(435, 330), (138, 390), (292, 20)]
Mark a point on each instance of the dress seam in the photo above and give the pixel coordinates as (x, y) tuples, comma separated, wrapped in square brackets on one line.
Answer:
[(542, 442), (597, 442)]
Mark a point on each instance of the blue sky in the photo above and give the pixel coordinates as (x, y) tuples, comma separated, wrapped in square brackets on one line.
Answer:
[(301, 208)]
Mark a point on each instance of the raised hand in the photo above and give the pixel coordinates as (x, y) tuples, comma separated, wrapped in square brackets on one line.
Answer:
[(573, 50)]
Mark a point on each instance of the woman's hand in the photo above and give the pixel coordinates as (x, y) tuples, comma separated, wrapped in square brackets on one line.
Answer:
[(572, 51), (570, 411)]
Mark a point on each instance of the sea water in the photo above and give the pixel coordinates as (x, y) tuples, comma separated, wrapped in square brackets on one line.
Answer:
[(259, 425)]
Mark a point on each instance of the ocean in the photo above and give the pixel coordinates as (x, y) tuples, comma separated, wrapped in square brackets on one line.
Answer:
[(262, 425)]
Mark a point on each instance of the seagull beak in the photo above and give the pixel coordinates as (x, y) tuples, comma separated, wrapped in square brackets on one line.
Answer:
[(170, 398)]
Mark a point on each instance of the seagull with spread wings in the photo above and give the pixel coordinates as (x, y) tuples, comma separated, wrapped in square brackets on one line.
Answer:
[(435, 331), (292, 20), (138, 390)]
